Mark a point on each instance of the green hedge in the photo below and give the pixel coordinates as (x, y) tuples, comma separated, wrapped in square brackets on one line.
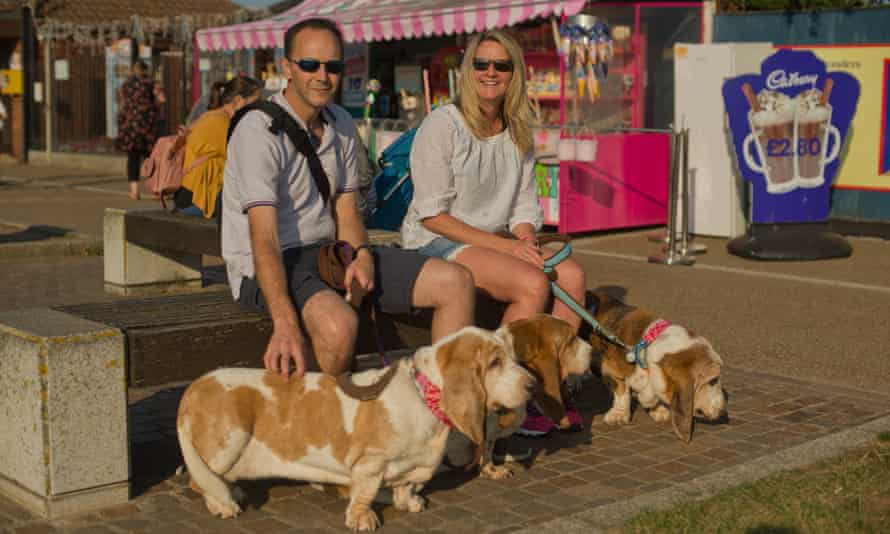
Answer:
[(789, 5)]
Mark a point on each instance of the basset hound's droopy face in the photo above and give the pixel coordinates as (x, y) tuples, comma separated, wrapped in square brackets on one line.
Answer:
[(682, 378), (550, 350), (692, 387), (482, 375)]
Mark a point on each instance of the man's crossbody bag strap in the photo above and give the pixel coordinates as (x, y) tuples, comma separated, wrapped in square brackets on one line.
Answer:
[(283, 121)]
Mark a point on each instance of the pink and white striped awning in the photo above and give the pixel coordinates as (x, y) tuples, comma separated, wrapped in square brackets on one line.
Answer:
[(382, 20)]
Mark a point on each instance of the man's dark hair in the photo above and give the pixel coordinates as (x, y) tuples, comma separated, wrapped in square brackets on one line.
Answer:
[(315, 24)]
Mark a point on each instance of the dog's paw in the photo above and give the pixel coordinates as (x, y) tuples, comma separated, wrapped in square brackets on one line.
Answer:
[(660, 414), (495, 472), (361, 519), (224, 509), (616, 417), (413, 504)]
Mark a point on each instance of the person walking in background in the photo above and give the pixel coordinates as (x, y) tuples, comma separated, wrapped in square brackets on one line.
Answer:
[(206, 141), (475, 201), (139, 99)]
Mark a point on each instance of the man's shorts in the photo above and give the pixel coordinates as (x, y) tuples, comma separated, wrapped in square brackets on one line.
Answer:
[(395, 273)]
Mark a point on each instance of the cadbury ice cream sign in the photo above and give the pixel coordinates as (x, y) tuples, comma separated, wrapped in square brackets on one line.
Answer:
[(788, 126)]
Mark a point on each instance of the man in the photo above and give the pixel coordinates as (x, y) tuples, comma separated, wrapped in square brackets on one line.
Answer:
[(274, 220)]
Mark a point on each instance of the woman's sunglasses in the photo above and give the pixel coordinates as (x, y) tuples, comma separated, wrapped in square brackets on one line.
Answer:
[(334, 66), (500, 65)]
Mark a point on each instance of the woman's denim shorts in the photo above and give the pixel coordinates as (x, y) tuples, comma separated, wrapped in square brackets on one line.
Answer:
[(442, 247)]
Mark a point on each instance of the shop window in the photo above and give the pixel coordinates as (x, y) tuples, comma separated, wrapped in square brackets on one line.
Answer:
[(663, 27)]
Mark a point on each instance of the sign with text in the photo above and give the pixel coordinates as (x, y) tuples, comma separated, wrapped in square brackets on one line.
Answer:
[(355, 77), (789, 123)]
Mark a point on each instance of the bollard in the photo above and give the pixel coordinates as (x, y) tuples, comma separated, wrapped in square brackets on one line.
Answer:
[(686, 247), (670, 256)]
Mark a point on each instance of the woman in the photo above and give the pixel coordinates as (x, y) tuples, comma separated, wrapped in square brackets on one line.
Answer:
[(474, 192), (139, 100), (206, 146)]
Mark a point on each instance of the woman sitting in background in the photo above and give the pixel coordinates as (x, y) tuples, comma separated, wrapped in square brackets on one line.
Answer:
[(207, 141)]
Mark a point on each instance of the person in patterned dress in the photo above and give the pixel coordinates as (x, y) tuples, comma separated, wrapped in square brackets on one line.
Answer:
[(138, 120)]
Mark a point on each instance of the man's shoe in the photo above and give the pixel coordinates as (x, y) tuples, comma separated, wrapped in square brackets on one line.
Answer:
[(536, 424)]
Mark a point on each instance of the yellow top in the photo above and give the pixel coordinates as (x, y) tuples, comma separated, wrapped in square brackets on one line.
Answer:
[(206, 138)]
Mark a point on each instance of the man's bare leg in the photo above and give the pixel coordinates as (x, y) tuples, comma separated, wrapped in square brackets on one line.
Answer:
[(332, 326)]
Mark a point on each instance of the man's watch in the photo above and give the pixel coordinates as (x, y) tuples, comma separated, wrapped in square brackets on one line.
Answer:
[(359, 248)]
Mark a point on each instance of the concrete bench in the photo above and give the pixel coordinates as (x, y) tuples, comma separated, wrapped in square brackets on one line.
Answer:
[(63, 411)]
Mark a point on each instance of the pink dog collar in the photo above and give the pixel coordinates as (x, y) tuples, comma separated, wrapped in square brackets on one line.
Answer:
[(655, 330), (637, 356), (432, 395)]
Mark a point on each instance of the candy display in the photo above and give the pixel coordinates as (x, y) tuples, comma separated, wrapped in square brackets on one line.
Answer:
[(586, 48)]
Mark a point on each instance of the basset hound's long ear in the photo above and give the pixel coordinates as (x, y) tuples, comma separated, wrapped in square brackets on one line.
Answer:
[(678, 369), (537, 342), (462, 363)]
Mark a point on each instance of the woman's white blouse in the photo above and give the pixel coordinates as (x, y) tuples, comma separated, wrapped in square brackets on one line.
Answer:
[(484, 183)]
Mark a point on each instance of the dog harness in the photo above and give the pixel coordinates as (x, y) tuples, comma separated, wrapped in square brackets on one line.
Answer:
[(637, 355), (432, 396)]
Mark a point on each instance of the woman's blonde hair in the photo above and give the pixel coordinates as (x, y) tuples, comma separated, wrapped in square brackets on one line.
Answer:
[(516, 110)]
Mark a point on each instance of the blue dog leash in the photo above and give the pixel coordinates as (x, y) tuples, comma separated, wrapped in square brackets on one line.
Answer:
[(550, 270)]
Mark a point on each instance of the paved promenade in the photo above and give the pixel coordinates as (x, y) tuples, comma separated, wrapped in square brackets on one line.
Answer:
[(807, 369)]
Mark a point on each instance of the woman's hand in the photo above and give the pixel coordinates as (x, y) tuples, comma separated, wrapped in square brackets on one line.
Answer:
[(526, 250)]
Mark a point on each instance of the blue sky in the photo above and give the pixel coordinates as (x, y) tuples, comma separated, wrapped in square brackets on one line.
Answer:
[(255, 3)]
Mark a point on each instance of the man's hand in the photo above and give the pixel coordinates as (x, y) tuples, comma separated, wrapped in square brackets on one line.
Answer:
[(359, 277), (286, 344)]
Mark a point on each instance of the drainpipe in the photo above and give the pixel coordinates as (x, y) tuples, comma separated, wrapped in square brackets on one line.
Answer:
[(28, 57), (48, 95)]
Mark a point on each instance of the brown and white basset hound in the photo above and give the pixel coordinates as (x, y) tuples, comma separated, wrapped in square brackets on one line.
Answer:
[(549, 349), (677, 378), (238, 424)]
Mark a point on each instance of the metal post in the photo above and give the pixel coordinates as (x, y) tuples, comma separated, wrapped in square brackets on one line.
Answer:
[(48, 95), (659, 236), (663, 236), (670, 255), (686, 247)]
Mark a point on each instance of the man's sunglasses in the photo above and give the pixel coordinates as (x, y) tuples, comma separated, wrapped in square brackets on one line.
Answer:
[(500, 65), (334, 66)]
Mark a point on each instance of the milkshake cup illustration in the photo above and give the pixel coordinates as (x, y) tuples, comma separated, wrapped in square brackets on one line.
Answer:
[(814, 135), (773, 136)]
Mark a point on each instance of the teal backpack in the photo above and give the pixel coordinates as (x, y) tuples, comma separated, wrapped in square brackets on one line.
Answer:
[(393, 187)]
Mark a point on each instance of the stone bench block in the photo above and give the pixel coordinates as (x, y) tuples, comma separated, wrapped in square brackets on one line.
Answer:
[(63, 412), (131, 269)]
